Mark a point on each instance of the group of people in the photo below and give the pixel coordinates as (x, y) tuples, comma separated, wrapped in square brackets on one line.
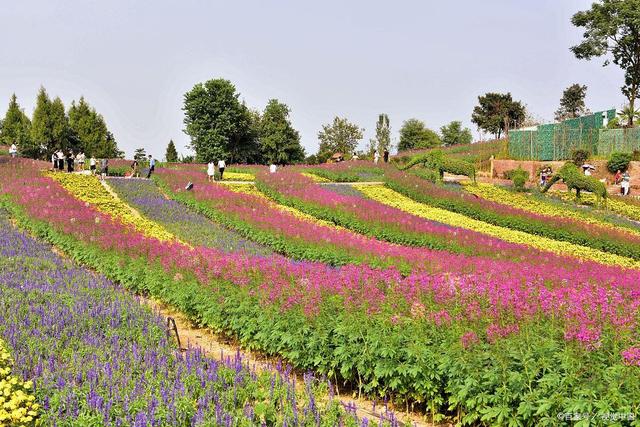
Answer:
[(59, 159), (376, 156), (545, 174), (211, 169), (623, 180), (135, 168)]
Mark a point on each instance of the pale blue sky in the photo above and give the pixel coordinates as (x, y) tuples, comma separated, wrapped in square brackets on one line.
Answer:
[(134, 60)]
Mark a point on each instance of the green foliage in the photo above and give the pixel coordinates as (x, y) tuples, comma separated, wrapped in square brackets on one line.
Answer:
[(575, 180), (382, 141), (172, 154), (340, 136), (612, 27), (572, 103), (628, 115), (519, 177), (279, 141), (140, 154), (441, 163), (89, 128), (578, 157), (41, 126), (454, 134), (614, 123), (219, 125), (16, 128), (496, 113), (414, 135), (619, 162)]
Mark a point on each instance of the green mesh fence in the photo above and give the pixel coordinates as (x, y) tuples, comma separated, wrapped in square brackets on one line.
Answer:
[(621, 140), (556, 141)]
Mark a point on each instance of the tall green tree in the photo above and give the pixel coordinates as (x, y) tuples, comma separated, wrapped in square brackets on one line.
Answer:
[(612, 29), (415, 134), (140, 154), (572, 103), (382, 140), (453, 134), (60, 131), (172, 154), (340, 136), (89, 129), (16, 128), (41, 126), (279, 141), (216, 121), (496, 113)]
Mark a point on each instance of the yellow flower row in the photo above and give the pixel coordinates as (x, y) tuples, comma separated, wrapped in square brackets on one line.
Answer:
[(389, 197), (17, 403), (528, 203), (613, 204), (251, 189), (315, 177), (89, 189), (238, 176)]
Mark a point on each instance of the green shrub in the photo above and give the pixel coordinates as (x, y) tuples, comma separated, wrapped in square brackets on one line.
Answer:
[(519, 177), (635, 156), (580, 156), (619, 162)]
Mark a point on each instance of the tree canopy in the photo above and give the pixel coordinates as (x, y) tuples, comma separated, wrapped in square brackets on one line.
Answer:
[(496, 113), (453, 133), (172, 154), (217, 122), (612, 27), (16, 127), (572, 103), (340, 136), (279, 141), (415, 134), (382, 140)]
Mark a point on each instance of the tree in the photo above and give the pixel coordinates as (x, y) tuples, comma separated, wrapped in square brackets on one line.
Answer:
[(140, 154), (279, 141), (171, 154), (496, 113), (16, 127), (89, 128), (612, 27), (340, 136), (628, 115), (217, 123), (41, 129), (572, 103), (60, 131), (414, 134), (453, 133), (382, 141)]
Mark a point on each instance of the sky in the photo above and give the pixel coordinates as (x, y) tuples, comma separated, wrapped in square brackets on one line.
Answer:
[(134, 60)]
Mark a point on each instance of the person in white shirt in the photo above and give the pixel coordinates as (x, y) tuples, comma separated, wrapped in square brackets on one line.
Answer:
[(221, 166), (92, 165), (211, 171), (13, 150), (273, 168), (376, 156), (80, 159)]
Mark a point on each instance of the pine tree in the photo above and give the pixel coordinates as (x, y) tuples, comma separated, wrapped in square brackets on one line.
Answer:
[(171, 154), (90, 129), (41, 129), (140, 154), (382, 141), (59, 123), (16, 127)]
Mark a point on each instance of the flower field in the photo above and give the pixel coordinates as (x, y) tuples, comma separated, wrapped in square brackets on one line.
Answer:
[(434, 313)]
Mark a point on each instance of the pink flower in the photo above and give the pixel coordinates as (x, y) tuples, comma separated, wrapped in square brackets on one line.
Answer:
[(631, 356)]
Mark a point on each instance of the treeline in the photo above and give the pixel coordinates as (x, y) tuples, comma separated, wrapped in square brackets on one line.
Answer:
[(52, 128)]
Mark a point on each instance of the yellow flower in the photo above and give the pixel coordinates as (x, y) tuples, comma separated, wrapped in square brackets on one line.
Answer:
[(389, 197), (315, 177), (238, 176), (90, 190), (16, 401)]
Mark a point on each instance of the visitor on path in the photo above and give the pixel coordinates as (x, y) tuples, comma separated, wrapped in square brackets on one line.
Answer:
[(80, 158), (152, 165), (385, 156), (626, 183), (135, 173), (104, 168), (70, 161), (92, 165), (13, 150), (60, 158), (587, 169), (376, 157), (355, 156), (211, 171), (273, 168), (617, 177), (54, 161), (221, 166)]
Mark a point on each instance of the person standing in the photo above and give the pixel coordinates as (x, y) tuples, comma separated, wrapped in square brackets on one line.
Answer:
[(376, 157), (54, 161), (221, 166), (92, 165), (273, 168), (61, 160), (104, 168), (626, 183), (152, 165), (70, 160), (211, 171), (80, 159), (386, 156), (617, 177), (13, 150), (134, 169)]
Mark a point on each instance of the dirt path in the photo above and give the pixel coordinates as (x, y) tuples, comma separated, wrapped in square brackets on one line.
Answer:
[(218, 347)]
